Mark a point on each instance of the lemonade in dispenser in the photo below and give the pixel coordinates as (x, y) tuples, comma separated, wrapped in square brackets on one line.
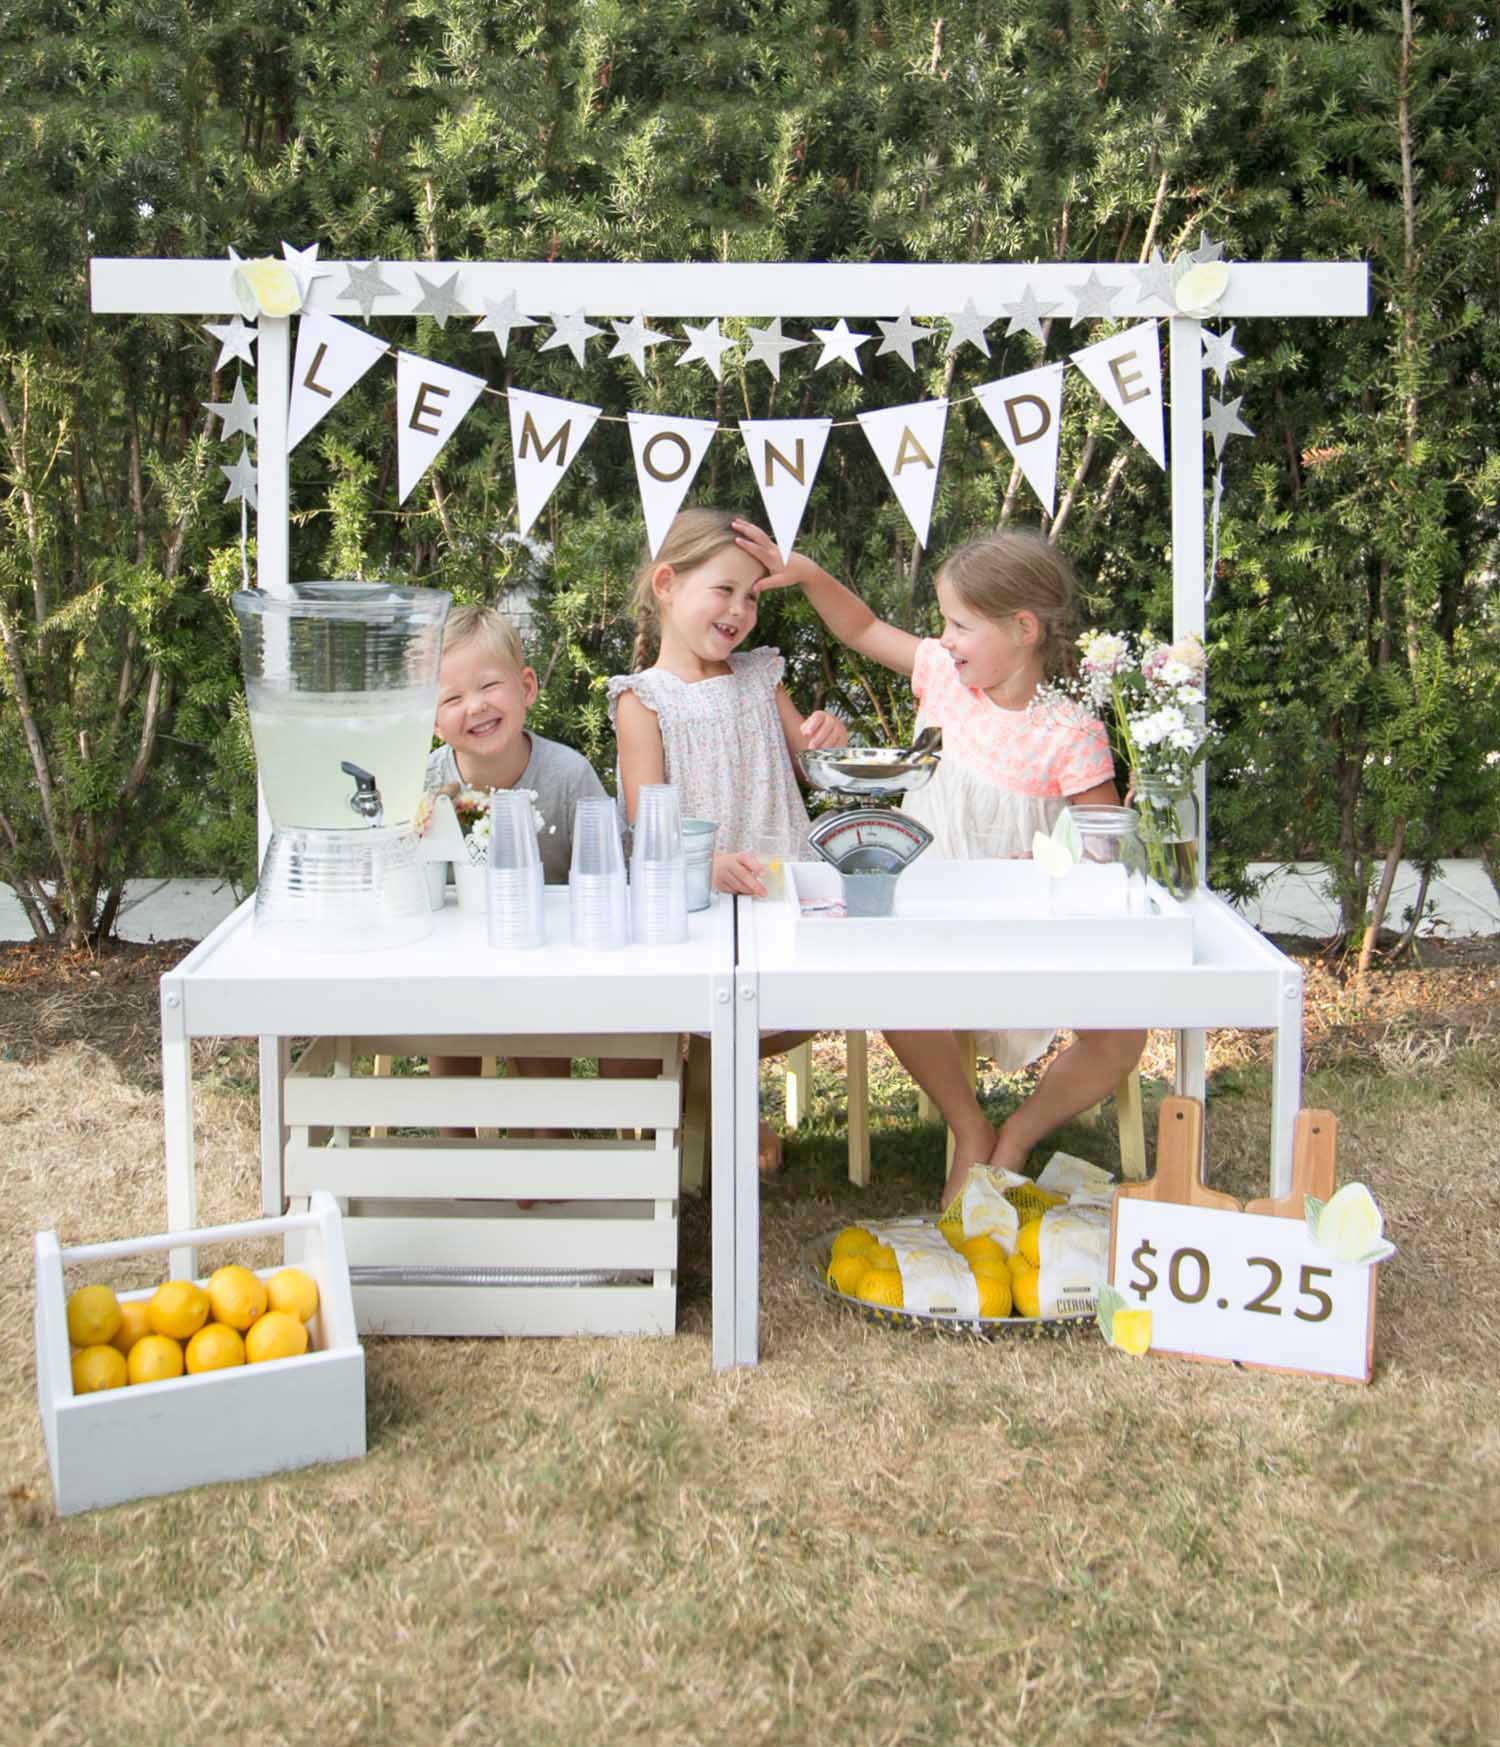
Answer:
[(341, 680)]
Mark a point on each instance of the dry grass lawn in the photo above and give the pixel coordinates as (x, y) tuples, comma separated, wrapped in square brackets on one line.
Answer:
[(873, 1538)]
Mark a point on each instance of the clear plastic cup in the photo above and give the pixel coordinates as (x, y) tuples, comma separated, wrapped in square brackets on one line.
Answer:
[(774, 849), (597, 895), (658, 823), (514, 874), (658, 868)]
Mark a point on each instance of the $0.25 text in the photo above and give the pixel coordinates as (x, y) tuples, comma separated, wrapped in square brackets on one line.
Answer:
[(1188, 1278)]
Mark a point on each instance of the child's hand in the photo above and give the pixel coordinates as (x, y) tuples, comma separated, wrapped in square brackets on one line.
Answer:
[(740, 872), (779, 574), (822, 729)]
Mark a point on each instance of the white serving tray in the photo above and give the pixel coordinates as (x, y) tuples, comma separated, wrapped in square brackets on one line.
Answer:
[(153, 1438), (994, 910)]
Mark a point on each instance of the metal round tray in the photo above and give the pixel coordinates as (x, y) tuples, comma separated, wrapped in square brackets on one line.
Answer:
[(871, 771), (815, 1257)]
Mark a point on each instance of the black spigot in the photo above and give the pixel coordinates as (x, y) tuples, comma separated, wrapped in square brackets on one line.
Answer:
[(366, 799)]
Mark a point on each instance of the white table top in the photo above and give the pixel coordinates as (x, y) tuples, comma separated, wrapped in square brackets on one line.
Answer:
[(234, 985)]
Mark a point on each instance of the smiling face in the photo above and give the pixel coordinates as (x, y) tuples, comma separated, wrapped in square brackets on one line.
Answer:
[(995, 656), (709, 610), (481, 713)]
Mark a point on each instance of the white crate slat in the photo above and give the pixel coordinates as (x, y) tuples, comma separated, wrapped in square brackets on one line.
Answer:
[(405, 1166), (474, 1103), (154, 1438), (517, 1310), (617, 1045), (529, 1241)]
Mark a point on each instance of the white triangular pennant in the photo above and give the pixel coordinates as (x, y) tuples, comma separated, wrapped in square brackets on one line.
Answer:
[(1125, 370), (331, 358), (668, 454), (431, 401), (784, 454), (908, 444), (1026, 409), (545, 437)]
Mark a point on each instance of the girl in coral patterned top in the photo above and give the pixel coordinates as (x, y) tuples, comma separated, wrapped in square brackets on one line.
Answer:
[(1007, 770)]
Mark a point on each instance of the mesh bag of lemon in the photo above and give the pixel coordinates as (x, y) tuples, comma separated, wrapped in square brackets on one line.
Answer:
[(1007, 1249), (182, 1328)]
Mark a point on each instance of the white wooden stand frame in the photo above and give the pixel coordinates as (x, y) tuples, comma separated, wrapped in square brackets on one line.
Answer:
[(1242, 981)]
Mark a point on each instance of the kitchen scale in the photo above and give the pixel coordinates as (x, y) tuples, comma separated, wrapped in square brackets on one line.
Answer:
[(871, 844)]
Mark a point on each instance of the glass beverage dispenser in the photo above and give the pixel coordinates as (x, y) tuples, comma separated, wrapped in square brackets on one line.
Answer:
[(341, 679)]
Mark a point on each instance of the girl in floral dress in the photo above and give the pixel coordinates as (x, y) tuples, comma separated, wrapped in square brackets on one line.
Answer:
[(1010, 764)]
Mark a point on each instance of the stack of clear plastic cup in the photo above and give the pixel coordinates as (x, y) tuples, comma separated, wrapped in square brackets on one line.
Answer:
[(597, 897), (658, 868), (514, 874)]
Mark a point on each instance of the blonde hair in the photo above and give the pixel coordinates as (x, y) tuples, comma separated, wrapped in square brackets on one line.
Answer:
[(474, 624), (1018, 571), (695, 536)]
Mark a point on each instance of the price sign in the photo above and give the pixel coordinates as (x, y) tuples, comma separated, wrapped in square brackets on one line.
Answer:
[(1244, 1287)]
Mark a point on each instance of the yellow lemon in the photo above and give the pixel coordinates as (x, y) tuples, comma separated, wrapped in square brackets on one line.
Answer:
[(994, 1295), (294, 1292), (93, 1316), (1028, 1238), (846, 1272), (133, 1324), (178, 1308), (1017, 1265), (98, 1368), (278, 1335), (215, 1347), (883, 1256), (981, 1248), (853, 1240), (881, 1286), (1025, 1292), (1131, 1331), (236, 1297), (153, 1359)]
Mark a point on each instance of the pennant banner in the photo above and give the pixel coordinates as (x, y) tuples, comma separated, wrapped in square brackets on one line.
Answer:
[(1126, 372), (1026, 409), (785, 454), (908, 444), (545, 437), (668, 453), (431, 402), (331, 358)]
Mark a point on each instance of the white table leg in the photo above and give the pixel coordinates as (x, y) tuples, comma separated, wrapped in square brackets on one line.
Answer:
[(1286, 1081), (722, 1161), (275, 1064), (747, 1169), (177, 1121)]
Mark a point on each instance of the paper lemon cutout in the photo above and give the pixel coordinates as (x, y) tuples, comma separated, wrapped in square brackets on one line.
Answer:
[(1122, 1327), (266, 287), (1062, 850), (1349, 1226), (1198, 291)]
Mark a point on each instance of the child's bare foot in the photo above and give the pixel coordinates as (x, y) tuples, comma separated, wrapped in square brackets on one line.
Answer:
[(770, 1150)]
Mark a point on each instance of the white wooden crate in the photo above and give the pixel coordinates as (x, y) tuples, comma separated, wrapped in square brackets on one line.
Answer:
[(993, 908), (437, 1242), (153, 1438)]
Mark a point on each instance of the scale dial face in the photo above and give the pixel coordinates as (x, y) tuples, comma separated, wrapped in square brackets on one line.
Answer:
[(839, 837)]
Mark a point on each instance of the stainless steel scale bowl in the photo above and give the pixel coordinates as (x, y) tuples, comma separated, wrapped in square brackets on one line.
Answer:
[(871, 844)]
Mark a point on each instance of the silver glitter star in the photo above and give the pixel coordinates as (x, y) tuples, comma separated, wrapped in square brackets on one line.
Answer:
[(238, 412), (305, 268), (841, 344), (571, 331), (1207, 250), (900, 336), (366, 284), (768, 345), (1219, 352), (1092, 299), (439, 300), (632, 338), (966, 327), (1224, 422), (1154, 281), (235, 341), (706, 346), (499, 318), (1027, 313), (241, 477)]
